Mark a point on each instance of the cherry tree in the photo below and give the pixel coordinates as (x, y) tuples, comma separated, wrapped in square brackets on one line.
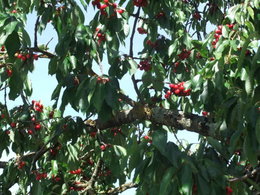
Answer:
[(198, 70)]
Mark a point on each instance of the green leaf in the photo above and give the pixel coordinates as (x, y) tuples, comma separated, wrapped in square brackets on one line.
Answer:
[(172, 48), (9, 28), (56, 93), (250, 147), (186, 179), (257, 130), (119, 150), (53, 66), (126, 28), (225, 31), (133, 66), (28, 87), (160, 140), (248, 85), (219, 52), (54, 167), (12, 44), (15, 84), (36, 188), (166, 183), (251, 12), (99, 96)]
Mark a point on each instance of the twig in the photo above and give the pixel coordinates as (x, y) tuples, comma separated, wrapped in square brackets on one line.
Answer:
[(133, 33), (131, 53), (136, 88), (35, 31), (5, 94), (246, 176), (36, 49)]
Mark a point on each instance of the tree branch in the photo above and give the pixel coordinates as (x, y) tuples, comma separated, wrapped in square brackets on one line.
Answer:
[(120, 189), (161, 116), (131, 52), (36, 49), (35, 31), (246, 176)]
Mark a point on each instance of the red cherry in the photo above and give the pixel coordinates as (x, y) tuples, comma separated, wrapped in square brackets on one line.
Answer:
[(37, 126), (120, 11), (146, 137), (7, 132), (229, 190), (28, 56), (51, 114), (57, 179), (30, 132), (166, 96), (220, 27), (171, 85), (230, 26), (204, 113), (177, 91), (13, 124), (23, 58), (2, 116), (93, 134), (9, 72), (35, 56), (3, 48), (14, 11), (181, 88), (78, 171), (114, 5), (19, 55), (218, 32), (104, 6), (103, 147)]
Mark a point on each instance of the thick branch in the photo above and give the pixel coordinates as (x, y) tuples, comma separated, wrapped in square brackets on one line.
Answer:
[(161, 116), (120, 189)]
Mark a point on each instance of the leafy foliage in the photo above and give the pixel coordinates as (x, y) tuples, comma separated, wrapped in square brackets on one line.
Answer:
[(208, 51)]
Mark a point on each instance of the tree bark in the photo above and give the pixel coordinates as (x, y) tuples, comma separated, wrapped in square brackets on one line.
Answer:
[(161, 116)]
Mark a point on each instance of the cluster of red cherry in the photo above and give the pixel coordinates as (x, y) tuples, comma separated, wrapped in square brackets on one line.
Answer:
[(76, 172), (24, 57), (141, 31), (151, 44), (178, 90), (21, 164), (145, 65), (218, 34), (184, 54), (37, 106), (101, 36), (102, 7), (140, 3), (40, 176), (115, 131)]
